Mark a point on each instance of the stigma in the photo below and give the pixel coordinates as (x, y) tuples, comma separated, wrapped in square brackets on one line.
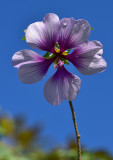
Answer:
[(58, 63)]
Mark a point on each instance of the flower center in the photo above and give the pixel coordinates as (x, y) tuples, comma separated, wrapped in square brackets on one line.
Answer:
[(58, 63), (60, 60)]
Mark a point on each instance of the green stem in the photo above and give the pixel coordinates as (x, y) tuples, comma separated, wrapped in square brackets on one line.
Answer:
[(76, 130)]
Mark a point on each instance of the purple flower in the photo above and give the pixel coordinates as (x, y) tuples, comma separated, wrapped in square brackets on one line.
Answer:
[(58, 37)]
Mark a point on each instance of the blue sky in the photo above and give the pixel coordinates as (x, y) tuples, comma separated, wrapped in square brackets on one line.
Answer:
[(93, 105)]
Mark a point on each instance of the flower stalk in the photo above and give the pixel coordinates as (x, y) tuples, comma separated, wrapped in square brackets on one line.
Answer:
[(76, 130)]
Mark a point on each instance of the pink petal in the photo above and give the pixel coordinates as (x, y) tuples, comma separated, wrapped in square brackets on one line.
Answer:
[(73, 32), (31, 66), (62, 85), (87, 58), (25, 56), (43, 35)]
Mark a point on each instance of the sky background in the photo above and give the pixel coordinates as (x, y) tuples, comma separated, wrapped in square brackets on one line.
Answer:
[(93, 105)]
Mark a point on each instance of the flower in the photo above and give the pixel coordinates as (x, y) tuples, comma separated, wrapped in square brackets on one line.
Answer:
[(58, 37)]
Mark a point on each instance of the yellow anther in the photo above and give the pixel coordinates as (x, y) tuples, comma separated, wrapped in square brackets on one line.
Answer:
[(57, 50), (65, 53)]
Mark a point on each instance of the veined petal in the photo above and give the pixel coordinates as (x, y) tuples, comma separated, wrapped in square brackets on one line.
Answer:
[(31, 66), (73, 32), (87, 58), (25, 56), (62, 85), (33, 72), (43, 35)]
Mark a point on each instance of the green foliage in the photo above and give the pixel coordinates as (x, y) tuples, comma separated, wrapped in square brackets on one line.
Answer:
[(65, 61), (46, 55), (23, 146), (8, 152), (92, 28), (16, 130), (23, 38)]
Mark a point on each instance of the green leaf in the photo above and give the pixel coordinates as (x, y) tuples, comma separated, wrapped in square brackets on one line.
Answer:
[(65, 61), (92, 28), (24, 38), (46, 55), (51, 56)]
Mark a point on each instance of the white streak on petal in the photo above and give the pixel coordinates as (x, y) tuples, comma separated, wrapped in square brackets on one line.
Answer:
[(25, 56)]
